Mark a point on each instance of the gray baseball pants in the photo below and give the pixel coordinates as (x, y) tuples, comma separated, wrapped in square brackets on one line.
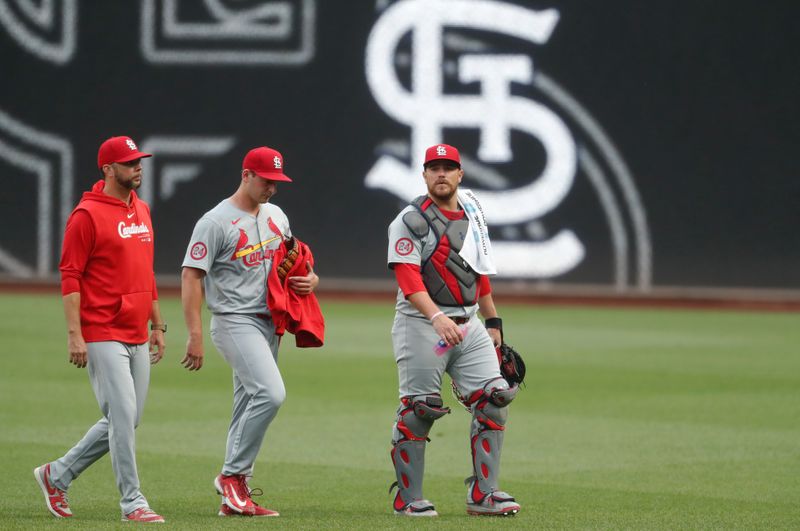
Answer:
[(471, 364), (120, 376), (249, 345)]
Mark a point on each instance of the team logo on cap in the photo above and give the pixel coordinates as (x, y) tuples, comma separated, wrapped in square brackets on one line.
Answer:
[(277, 161), (537, 232), (130, 144)]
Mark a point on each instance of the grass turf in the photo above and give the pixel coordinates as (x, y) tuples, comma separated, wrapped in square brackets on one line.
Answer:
[(632, 419)]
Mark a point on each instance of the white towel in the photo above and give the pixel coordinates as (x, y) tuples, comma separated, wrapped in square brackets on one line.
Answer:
[(476, 251)]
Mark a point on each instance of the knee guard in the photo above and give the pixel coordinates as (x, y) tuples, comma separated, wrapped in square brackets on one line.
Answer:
[(489, 415), (415, 418)]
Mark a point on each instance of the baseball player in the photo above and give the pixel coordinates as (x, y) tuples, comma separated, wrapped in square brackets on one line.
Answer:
[(109, 293), (441, 256), (230, 255)]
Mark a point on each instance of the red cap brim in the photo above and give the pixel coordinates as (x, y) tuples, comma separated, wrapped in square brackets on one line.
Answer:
[(134, 156), (273, 176)]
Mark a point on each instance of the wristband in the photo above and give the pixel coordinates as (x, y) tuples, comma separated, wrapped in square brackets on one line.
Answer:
[(494, 322), (434, 316), (162, 327)]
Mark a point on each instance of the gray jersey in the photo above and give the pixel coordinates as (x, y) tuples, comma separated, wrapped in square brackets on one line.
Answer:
[(235, 249), (407, 248)]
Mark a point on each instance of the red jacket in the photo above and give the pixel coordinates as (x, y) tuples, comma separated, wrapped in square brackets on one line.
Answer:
[(299, 314), (108, 257)]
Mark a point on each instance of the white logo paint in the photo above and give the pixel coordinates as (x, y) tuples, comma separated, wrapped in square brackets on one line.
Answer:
[(130, 144), (47, 29), (494, 112), (133, 229), (168, 172), (277, 161), (47, 159), (253, 33), (441, 151)]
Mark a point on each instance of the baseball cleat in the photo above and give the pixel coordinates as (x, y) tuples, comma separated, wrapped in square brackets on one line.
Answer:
[(224, 510), (495, 503), (413, 508), (55, 498), (143, 515), (235, 493)]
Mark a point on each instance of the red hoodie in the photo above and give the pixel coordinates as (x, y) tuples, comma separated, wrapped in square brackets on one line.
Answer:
[(108, 257)]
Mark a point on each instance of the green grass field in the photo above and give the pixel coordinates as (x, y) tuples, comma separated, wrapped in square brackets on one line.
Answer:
[(632, 419)]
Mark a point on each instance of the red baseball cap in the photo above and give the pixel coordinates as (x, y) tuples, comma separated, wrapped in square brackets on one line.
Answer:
[(118, 149), (442, 152), (266, 163)]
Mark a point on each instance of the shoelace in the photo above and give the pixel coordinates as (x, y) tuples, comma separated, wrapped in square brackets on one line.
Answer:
[(244, 488), (61, 499)]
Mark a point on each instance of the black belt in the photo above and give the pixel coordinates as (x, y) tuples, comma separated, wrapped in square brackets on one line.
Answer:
[(262, 316), (460, 320)]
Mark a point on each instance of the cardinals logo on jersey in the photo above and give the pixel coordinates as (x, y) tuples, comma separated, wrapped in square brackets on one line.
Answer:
[(253, 255)]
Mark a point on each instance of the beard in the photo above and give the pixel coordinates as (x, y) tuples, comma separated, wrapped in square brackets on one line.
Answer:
[(128, 184), (444, 194)]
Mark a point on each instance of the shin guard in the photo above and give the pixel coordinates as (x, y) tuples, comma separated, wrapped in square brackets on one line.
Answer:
[(489, 415), (415, 418)]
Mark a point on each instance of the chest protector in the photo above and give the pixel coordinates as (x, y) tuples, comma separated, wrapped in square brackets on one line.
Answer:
[(450, 281)]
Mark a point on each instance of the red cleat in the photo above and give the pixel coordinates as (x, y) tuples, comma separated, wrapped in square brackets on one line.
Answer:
[(235, 494), (55, 498), (224, 510), (143, 515)]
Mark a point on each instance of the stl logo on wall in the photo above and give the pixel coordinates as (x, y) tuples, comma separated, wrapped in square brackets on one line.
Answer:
[(225, 32), (450, 67)]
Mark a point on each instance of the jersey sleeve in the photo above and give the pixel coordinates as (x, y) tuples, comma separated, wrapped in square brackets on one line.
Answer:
[(78, 243), (404, 247), (205, 244)]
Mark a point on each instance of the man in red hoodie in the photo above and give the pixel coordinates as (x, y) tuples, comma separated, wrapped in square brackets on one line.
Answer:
[(109, 293)]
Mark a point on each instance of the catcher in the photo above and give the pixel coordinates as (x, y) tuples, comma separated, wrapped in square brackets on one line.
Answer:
[(440, 252)]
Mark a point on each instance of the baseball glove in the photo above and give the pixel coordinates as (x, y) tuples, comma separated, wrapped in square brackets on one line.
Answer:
[(512, 366), (289, 260)]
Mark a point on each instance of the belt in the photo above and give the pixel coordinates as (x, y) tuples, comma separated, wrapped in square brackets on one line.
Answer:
[(264, 316), (460, 320)]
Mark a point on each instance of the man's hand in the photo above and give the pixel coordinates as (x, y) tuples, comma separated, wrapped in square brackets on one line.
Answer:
[(447, 329), (157, 346), (193, 360), (496, 336), (77, 350), (304, 285)]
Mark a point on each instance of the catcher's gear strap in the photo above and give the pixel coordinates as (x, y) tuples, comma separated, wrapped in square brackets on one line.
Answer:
[(461, 288)]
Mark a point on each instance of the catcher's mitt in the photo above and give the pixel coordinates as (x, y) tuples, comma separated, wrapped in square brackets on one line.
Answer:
[(512, 366), (289, 260)]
